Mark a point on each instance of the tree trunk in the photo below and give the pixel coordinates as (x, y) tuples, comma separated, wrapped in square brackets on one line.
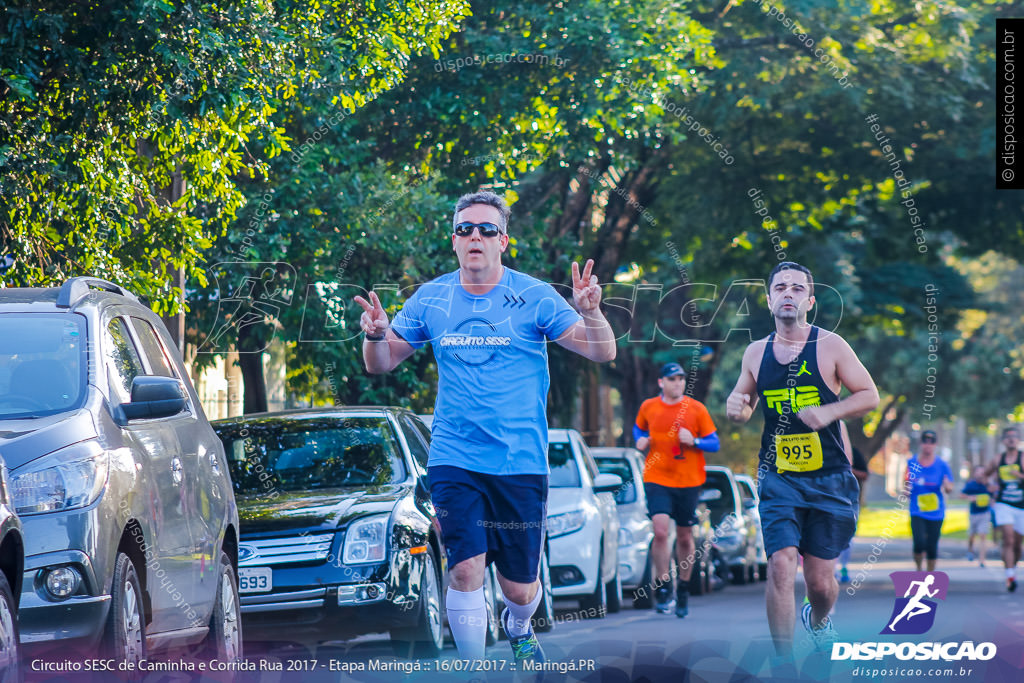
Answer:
[(176, 323), (251, 364), (637, 381), (591, 406), (869, 445)]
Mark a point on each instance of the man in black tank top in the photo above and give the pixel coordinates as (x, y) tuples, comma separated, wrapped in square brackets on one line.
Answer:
[(809, 497), (1009, 506)]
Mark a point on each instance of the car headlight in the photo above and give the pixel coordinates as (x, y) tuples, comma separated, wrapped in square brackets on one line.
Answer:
[(565, 523), (366, 541), (71, 478), (625, 537)]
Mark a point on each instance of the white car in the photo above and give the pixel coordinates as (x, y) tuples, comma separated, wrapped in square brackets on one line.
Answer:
[(636, 531), (748, 493), (582, 526), (635, 528), (735, 536)]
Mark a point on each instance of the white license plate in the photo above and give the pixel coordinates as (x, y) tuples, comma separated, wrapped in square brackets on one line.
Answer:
[(255, 579)]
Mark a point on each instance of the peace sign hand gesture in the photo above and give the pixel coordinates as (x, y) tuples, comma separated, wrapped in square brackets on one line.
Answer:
[(374, 321), (585, 291)]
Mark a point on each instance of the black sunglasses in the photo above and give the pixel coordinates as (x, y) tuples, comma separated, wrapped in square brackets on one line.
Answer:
[(486, 229), (928, 439)]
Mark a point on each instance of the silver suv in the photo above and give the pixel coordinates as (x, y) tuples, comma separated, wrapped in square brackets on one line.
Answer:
[(130, 525)]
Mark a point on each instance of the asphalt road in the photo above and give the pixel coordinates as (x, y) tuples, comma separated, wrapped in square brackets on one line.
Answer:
[(724, 639)]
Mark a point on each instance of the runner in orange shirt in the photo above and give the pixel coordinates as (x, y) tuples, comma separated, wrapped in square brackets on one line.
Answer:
[(677, 429)]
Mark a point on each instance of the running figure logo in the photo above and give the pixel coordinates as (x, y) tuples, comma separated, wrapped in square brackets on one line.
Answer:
[(914, 613)]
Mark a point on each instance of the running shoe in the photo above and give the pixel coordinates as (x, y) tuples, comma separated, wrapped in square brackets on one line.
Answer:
[(1011, 584), (970, 556), (821, 637), (682, 598), (844, 576), (524, 647), (663, 601)]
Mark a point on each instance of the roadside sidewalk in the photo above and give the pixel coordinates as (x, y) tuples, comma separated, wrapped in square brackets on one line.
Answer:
[(896, 554)]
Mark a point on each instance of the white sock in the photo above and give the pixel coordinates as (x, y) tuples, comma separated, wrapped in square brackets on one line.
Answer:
[(1011, 573), (467, 618), (518, 622)]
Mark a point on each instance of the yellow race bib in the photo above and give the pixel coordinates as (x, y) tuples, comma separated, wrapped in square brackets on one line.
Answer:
[(928, 502), (1008, 472), (981, 500), (798, 452)]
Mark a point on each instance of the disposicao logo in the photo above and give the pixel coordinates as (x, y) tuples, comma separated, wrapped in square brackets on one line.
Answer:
[(914, 613)]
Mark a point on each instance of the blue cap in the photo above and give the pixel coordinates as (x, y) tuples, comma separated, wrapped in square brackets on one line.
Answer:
[(671, 370)]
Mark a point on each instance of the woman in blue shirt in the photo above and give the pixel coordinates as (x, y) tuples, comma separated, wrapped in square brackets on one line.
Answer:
[(928, 478)]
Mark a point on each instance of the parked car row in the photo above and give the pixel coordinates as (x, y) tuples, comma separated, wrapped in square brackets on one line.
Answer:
[(130, 524), (727, 536), (119, 528)]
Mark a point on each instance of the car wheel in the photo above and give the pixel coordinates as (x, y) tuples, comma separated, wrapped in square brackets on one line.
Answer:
[(426, 638), (595, 605), (224, 641), (699, 574), (718, 571), (124, 636), (10, 660), (762, 571), (739, 574), (544, 617), (643, 595), (491, 601), (614, 591)]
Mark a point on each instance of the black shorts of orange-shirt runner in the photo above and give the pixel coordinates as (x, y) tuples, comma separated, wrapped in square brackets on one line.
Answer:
[(926, 534)]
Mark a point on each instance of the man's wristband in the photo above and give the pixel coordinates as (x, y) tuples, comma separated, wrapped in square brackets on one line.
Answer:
[(696, 442), (372, 338)]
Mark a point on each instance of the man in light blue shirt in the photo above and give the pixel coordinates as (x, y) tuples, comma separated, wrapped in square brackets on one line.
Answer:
[(489, 326)]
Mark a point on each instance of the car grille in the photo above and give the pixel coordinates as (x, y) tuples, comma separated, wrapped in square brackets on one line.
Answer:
[(276, 602), (294, 549)]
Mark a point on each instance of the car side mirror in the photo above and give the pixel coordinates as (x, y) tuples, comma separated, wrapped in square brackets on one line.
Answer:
[(152, 397), (607, 483)]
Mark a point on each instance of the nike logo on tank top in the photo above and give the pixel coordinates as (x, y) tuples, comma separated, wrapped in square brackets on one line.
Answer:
[(787, 444)]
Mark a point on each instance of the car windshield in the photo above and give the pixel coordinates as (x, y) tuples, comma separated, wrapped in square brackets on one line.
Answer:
[(273, 454), (42, 364), (627, 492), (564, 474), (725, 505)]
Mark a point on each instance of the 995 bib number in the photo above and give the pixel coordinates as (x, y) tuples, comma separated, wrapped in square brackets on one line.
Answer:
[(798, 452)]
